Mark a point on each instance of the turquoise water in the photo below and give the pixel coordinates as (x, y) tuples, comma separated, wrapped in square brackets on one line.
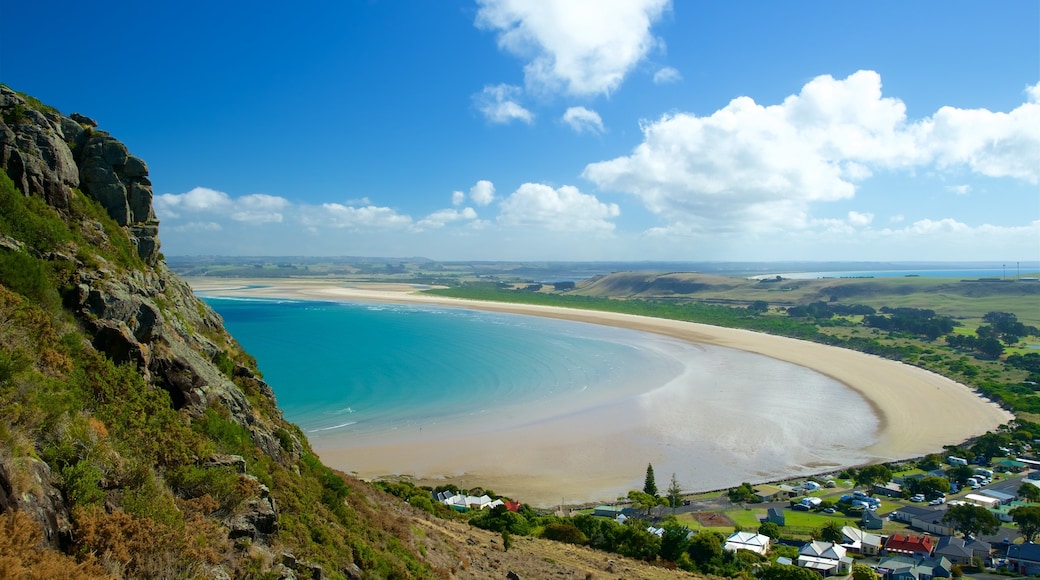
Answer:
[(339, 367)]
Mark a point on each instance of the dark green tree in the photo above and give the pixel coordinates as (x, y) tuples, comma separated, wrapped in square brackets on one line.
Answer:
[(863, 572), (649, 485), (770, 529), (1029, 492), (786, 572), (674, 542), (873, 475), (674, 493), (971, 520), (705, 546), (831, 532), (1027, 518)]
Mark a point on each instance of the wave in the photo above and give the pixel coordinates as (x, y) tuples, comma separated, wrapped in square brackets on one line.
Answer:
[(340, 426)]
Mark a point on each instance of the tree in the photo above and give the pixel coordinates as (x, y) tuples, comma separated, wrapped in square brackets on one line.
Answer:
[(1029, 492), (770, 529), (1027, 518), (930, 486), (832, 532), (705, 546), (960, 473), (786, 572), (674, 493), (863, 572), (873, 475), (674, 542), (649, 485), (971, 520), (643, 500)]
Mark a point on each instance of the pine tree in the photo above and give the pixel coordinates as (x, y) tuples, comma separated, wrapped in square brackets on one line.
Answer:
[(674, 493), (649, 485)]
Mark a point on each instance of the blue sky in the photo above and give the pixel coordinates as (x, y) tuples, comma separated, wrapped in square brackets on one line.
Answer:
[(565, 129)]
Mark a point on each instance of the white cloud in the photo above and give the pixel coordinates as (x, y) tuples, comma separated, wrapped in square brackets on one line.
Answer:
[(582, 47), (563, 209), (583, 120), (860, 219), (255, 208), (483, 193), (959, 189), (751, 167), (366, 217), (439, 218), (457, 198), (667, 75), (197, 227), (499, 104)]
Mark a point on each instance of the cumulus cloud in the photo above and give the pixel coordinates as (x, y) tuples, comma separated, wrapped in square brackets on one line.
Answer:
[(583, 120), (860, 219), (440, 218), (483, 193), (667, 75), (580, 47), (457, 198), (365, 217), (255, 208), (753, 167), (499, 104), (959, 189), (563, 209)]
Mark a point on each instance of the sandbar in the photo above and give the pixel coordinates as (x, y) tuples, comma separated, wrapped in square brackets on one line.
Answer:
[(581, 459)]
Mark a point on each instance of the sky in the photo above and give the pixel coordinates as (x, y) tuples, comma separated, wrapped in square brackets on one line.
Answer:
[(562, 129)]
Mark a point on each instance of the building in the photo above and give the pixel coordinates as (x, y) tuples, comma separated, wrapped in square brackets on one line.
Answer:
[(890, 489), (861, 542), (606, 511), (924, 519), (961, 551), (756, 543), (1004, 498), (1024, 559), (982, 500), (914, 546), (824, 557), (908, 568), (776, 515), (767, 492), (871, 521)]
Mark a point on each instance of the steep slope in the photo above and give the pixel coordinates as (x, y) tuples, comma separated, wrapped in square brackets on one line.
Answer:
[(135, 435)]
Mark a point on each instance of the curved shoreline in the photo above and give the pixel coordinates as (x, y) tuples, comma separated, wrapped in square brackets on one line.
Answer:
[(917, 411)]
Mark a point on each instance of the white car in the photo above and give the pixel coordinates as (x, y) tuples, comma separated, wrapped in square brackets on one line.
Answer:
[(917, 497)]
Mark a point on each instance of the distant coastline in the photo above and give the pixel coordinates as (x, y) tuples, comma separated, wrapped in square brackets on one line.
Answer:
[(918, 411)]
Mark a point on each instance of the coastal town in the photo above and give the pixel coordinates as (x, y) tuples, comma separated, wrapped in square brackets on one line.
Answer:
[(956, 519)]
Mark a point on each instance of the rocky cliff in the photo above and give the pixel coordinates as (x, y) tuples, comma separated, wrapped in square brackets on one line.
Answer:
[(126, 410)]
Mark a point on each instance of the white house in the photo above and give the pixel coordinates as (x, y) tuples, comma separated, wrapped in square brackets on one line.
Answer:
[(861, 542), (757, 543), (824, 557)]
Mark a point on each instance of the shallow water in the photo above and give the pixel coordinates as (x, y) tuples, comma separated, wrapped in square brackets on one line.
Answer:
[(356, 374)]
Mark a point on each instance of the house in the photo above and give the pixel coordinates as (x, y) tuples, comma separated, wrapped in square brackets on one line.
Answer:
[(890, 489), (1007, 464), (824, 557), (776, 515), (462, 503), (513, 506), (606, 511), (924, 519), (961, 551), (757, 543), (767, 492), (915, 546), (871, 521), (1003, 512), (1024, 559), (982, 500), (1004, 498), (861, 542), (907, 568)]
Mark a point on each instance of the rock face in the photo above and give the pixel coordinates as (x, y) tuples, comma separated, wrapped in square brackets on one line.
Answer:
[(145, 316), (48, 155)]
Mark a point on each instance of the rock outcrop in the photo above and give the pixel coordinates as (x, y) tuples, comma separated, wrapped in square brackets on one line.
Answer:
[(144, 316), (49, 155)]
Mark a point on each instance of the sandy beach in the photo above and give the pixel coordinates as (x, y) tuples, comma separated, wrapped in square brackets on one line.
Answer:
[(917, 411)]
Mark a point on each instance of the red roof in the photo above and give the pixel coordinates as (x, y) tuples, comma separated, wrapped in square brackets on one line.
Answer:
[(513, 506), (910, 544)]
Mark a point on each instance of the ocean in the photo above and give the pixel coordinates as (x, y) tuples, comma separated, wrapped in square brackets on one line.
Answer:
[(398, 389)]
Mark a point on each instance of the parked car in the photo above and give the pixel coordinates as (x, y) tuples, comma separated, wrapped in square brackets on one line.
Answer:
[(937, 501), (917, 497), (828, 510)]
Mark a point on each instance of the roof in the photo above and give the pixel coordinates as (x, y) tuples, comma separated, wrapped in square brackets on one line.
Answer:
[(857, 536), (976, 498), (913, 511), (953, 546), (1029, 551), (748, 538), (818, 549), (870, 515), (1003, 497), (916, 566), (909, 544), (931, 517)]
